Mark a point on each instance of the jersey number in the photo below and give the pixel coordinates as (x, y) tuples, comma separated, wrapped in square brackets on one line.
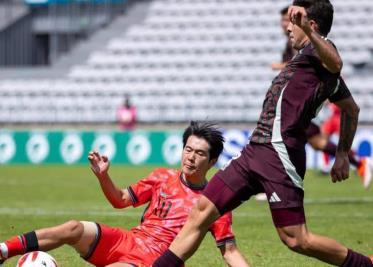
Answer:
[(163, 208)]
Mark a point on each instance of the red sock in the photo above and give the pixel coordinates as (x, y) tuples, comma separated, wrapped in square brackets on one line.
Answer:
[(15, 246), (326, 158)]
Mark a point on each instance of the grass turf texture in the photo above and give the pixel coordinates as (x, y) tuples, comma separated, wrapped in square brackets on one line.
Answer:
[(34, 197)]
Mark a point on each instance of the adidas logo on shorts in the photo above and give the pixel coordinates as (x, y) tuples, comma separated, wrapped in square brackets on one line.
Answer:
[(274, 198)]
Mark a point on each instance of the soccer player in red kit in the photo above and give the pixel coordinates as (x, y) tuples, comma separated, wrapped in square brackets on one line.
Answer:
[(170, 195), (274, 161)]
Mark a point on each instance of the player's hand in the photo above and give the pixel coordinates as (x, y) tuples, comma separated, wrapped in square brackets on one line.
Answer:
[(341, 167), (298, 16), (99, 164)]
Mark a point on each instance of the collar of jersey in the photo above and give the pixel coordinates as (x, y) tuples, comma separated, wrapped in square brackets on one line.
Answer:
[(190, 185)]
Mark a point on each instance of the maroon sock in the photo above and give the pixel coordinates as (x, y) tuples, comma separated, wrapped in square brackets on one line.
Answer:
[(168, 259), (352, 157), (355, 259), (330, 149)]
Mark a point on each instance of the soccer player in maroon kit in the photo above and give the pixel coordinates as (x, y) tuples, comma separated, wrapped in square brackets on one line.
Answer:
[(274, 161), (316, 137), (170, 195)]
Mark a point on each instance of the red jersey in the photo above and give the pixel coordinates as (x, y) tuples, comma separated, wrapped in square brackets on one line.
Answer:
[(171, 200), (332, 124)]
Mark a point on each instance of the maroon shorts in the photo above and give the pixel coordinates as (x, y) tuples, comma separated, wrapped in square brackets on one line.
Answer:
[(262, 168), (312, 130)]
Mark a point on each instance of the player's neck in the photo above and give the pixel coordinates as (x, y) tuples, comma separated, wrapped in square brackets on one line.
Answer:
[(193, 182), (304, 43)]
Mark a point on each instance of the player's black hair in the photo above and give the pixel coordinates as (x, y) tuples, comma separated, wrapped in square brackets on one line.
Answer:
[(321, 11), (209, 132), (284, 11)]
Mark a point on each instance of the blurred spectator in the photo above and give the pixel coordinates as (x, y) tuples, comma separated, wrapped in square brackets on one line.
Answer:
[(289, 51), (126, 115), (329, 127)]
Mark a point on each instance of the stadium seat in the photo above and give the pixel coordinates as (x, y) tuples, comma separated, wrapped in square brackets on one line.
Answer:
[(188, 59)]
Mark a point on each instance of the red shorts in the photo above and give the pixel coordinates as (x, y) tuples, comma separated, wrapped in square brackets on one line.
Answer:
[(120, 245)]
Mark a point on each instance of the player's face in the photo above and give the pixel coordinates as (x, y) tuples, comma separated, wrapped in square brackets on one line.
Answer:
[(285, 23), (195, 160), (297, 36)]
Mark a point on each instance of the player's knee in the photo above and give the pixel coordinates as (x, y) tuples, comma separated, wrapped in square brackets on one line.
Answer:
[(203, 213), (73, 231), (297, 244), (196, 216)]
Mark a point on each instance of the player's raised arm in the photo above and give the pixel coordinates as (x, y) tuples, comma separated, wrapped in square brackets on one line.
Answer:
[(233, 256), (349, 120), (119, 198), (327, 52)]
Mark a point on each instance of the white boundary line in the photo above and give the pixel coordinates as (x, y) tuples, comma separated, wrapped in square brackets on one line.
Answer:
[(134, 213)]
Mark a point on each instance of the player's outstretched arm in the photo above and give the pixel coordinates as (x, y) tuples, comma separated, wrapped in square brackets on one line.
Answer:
[(233, 256), (326, 51), (278, 65), (119, 198), (349, 120)]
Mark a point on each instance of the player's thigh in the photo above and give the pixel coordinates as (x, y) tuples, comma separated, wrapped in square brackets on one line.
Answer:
[(88, 238), (205, 212), (318, 142), (226, 191), (234, 183), (286, 203)]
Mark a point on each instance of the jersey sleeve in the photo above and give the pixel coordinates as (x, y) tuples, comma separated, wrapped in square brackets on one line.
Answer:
[(341, 91), (222, 231), (142, 191)]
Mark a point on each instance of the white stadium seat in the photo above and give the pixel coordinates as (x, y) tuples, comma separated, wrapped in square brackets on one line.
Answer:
[(189, 59)]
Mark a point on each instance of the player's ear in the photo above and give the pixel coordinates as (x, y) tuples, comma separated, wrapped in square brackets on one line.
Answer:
[(314, 25)]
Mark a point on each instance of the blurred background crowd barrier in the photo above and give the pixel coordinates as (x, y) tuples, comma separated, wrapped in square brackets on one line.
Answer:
[(136, 147)]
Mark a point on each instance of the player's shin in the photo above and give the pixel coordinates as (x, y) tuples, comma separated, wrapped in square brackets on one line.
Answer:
[(183, 246)]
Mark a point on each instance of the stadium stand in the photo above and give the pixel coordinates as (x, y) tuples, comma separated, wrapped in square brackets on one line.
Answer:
[(182, 60)]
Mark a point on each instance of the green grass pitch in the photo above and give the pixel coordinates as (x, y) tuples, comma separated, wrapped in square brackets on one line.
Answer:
[(33, 197)]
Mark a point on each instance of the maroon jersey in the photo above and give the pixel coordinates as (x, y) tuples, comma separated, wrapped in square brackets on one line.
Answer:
[(295, 97)]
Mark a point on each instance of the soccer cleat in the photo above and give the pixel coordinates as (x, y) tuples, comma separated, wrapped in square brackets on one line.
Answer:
[(261, 197), (364, 172), (3, 253)]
